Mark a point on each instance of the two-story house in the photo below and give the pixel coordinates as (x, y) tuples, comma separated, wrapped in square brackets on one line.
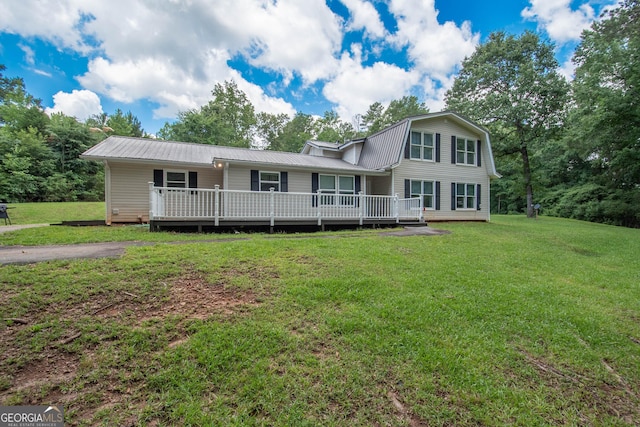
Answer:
[(436, 166)]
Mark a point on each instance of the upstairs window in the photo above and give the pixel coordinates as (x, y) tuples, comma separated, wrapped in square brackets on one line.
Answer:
[(465, 151), (422, 146)]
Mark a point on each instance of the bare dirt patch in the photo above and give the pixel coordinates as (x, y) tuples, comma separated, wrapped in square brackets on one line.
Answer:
[(190, 296), (87, 367)]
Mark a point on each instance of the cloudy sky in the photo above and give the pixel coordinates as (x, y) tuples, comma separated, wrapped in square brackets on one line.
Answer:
[(158, 57)]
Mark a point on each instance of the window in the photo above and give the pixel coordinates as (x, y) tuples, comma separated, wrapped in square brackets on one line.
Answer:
[(176, 179), (269, 180), (424, 189), (336, 189), (422, 146), (465, 151), (465, 196)]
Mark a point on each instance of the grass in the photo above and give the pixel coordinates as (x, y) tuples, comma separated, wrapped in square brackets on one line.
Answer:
[(516, 322), (55, 212)]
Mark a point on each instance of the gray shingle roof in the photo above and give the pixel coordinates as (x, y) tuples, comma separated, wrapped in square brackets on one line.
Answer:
[(151, 150)]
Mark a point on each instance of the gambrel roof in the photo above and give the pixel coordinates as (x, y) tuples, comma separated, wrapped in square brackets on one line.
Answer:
[(384, 149)]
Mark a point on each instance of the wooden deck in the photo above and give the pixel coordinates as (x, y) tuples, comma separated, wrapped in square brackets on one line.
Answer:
[(206, 209)]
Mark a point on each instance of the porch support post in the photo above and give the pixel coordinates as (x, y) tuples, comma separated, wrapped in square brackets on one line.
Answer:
[(396, 209), (216, 206), (152, 202), (319, 209), (272, 206), (361, 200)]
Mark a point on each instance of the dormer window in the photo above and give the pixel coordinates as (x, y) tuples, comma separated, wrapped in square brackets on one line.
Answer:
[(422, 145)]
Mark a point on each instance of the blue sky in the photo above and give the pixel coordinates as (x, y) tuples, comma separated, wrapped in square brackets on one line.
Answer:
[(85, 57)]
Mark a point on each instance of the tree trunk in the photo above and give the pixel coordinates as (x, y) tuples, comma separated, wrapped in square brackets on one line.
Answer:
[(527, 180)]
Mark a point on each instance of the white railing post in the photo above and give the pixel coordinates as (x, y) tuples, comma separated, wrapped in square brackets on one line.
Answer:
[(272, 205), (152, 201), (216, 206), (361, 199), (318, 203), (421, 216), (396, 208)]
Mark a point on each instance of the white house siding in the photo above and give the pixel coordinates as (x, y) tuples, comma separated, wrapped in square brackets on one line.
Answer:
[(240, 178), (129, 183), (446, 172)]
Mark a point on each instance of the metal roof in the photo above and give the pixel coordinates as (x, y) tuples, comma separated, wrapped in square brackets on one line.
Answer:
[(153, 150), (383, 149)]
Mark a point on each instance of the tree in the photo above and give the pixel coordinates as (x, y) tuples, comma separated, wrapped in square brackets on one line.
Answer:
[(331, 128), (269, 128), (18, 109), (294, 134), (605, 124), (512, 85), (229, 119), (377, 117)]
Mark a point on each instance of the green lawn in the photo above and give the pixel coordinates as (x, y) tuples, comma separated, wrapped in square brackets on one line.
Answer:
[(55, 212), (517, 321)]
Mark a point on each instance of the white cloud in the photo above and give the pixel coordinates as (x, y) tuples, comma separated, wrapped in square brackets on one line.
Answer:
[(356, 87), (558, 19), (54, 20), (29, 54), (436, 49), (173, 52), (364, 16), (80, 104)]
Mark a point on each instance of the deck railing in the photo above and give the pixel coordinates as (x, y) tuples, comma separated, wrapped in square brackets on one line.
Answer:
[(223, 205)]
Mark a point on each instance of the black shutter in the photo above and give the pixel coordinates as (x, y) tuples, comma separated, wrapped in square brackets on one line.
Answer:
[(479, 153), (158, 177), (407, 189), (314, 188), (453, 149), (284, 182), (437, 195), (453, 196), (437, 147), (193, 179), (357, 187), (407, 147), (478, 196), (255, 180)]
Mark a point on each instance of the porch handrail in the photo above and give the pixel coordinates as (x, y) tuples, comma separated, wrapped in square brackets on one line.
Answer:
[(217, 204)]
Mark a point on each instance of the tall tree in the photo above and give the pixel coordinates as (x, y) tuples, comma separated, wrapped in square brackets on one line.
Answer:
[(378, 117), (512, 85), (605, 125), (269, 127), (18, 109), (294, 134), (331, 128), (229, 119)]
